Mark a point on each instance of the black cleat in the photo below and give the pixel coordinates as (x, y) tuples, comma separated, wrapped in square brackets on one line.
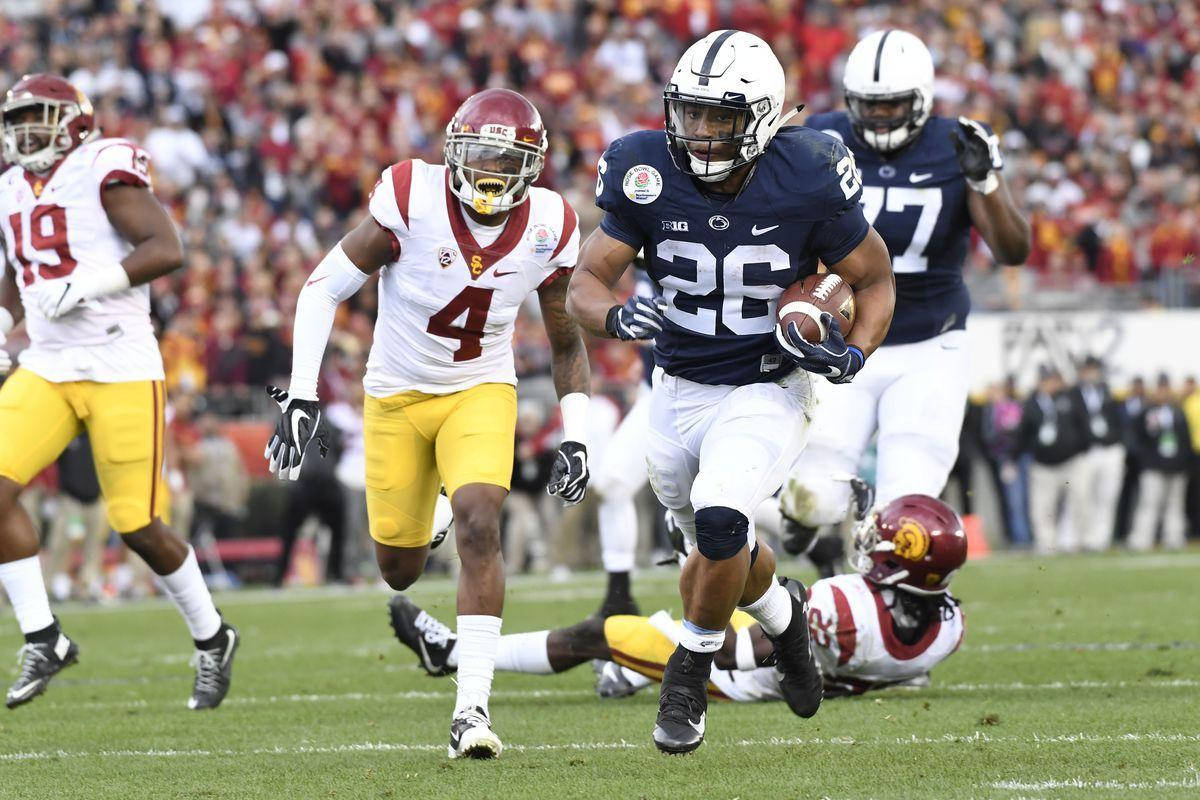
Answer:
[(827, 554), (471, 735), (420, 632), (801, 683), (214, 669), (616, 605), (683, 702), (611, 682), (798, 538), (39, 662)]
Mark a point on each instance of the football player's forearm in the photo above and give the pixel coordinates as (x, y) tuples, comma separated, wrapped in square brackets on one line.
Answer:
[(1001, 224), (10, 300), (875, 301), (570, 368), (335, 279), (159, 255), (588, 302)]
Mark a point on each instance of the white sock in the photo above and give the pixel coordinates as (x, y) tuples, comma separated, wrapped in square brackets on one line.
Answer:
[(618, 533), (701, 640), (26, 589), (524, 652), (478, 640), (191, 596), (773, 610)]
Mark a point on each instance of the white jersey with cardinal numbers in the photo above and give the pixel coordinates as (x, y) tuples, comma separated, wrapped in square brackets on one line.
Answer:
[(447, 304), (851, 626), (55, 226)]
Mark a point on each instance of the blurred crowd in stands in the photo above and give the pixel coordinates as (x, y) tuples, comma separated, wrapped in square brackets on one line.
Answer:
[(270, 121)]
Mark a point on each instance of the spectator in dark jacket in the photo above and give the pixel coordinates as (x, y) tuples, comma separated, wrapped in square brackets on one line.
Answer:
[(1165, 450), (1131, 415), (1054, 432), (1000, 428), (1095, 492)]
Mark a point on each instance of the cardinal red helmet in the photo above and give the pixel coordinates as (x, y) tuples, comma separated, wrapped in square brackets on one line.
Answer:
[(915, 543), (66, 121), (495, 149)]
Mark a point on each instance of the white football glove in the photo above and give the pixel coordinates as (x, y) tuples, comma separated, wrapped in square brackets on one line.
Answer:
[(297, 427), (60, 296)]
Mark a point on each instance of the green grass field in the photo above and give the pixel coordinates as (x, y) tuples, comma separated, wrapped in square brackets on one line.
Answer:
[(1078, 677)]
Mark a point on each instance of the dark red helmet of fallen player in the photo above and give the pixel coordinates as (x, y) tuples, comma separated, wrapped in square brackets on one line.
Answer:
[(495, 149), (60, 121), (915, 543)]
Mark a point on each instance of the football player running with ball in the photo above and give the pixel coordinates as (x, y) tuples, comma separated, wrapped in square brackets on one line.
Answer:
[(730, 210), (926, 181), (84, 235), (459, 248)]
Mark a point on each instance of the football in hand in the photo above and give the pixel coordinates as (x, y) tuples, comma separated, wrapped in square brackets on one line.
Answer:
[(803, 303)]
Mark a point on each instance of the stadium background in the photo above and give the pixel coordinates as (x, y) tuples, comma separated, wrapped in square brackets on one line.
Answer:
[(269, 122)]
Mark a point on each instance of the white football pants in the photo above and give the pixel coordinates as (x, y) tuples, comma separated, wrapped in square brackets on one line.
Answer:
[(620, 474), (728, 446), (915, 396)]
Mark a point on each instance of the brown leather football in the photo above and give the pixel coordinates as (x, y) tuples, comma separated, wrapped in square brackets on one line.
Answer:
[(803, 302)]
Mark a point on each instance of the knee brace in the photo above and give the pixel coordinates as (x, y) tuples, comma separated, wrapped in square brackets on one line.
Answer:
[(720, 532)]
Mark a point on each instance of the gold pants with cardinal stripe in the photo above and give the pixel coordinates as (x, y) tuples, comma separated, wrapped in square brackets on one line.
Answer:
[(39, 418)]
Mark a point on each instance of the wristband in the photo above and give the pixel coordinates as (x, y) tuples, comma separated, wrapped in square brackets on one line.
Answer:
[(986, 186), (610, 321), (574, 408)]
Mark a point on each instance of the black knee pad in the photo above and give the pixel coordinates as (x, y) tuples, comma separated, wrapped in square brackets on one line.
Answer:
[(720, 532)]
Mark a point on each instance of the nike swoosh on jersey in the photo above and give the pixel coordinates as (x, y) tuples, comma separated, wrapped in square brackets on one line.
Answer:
[(917, 177), (502, 274), (757, 231)]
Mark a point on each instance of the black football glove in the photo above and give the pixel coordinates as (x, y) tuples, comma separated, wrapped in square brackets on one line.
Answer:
[(639, 318), (833, 358), (297, 427), (569, 475), (978, 151)]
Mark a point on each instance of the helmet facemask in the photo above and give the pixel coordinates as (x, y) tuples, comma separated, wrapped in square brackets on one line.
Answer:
[(36, 141), (711, 138), (888, 122), (490, 174)]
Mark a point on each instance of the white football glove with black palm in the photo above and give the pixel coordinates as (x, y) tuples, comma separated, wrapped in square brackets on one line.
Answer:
[(978, 155), (297, 427), (569, 474), (640, 318), (833, 358)]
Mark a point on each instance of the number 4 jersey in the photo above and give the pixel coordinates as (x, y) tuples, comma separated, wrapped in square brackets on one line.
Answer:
[(448, 302), (55, 226), (721, 262)]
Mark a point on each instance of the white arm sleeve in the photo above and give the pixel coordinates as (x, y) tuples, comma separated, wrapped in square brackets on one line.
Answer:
[(335, 279)]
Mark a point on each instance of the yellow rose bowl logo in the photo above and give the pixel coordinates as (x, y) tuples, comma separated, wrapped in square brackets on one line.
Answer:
[(912, 540)]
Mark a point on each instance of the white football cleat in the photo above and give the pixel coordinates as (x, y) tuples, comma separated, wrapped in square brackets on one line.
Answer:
[(471, 735)]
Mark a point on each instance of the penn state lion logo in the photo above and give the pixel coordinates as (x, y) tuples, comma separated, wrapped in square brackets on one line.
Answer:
[(912, 540)]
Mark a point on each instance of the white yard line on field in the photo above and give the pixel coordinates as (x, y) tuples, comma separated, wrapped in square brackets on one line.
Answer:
[(1190, 782), (978, 737), (1021, 647), (539, 694)]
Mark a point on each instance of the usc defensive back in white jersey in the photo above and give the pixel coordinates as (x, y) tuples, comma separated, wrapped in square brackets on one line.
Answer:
[(459, 248), (84, 235)]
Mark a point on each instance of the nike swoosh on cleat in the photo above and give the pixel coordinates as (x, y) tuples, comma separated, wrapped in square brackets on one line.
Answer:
[(757, 231), (917, 177), (425, 661), (25, 690), (699, 726), (232, 637)]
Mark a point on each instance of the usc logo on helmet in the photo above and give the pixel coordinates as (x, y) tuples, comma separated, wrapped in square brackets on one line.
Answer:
[(912, 540)]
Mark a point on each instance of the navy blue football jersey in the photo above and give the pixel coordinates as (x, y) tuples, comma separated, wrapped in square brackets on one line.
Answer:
[(917, 199), (721, 262)]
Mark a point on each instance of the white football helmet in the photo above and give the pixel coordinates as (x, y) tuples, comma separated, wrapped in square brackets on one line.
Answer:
[(724, 103), (889, 71)]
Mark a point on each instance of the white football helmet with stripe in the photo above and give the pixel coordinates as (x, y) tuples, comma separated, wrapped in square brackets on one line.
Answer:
[(889, 88), (724, 103)]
